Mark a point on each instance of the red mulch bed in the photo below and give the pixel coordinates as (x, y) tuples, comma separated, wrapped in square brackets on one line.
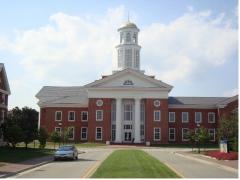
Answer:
[(223, 156)]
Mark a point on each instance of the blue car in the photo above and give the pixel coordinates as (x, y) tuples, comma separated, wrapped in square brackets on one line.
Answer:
[(66, 152)]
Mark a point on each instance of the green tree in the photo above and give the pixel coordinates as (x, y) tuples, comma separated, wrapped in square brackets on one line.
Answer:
[(29, 124), (201, 137), (228, 129), (192, 138), (42, 137), (56, 138), (65, 135)]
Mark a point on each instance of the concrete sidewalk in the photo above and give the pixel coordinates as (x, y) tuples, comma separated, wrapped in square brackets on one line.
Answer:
[(10, 169)]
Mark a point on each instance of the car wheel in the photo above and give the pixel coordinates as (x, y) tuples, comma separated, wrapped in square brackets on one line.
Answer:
[(76, 157)]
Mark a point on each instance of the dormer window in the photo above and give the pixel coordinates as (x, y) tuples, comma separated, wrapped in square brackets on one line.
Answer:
[(128, 82)]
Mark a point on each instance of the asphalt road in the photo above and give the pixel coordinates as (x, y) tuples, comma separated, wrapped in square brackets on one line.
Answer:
[(68, 169), (191, 168)]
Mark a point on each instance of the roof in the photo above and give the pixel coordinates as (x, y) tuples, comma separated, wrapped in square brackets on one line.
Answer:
[(129, 24), (195, 100), (55, 95), (2, 69)]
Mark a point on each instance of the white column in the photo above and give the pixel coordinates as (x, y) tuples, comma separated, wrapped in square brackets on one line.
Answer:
[(118, 120), (137, 137)]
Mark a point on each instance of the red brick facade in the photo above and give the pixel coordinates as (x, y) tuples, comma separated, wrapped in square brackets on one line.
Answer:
[(47, 120)]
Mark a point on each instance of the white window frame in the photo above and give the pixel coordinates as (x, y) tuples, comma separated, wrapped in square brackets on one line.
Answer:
[(155, 133), (154, 115), (214, 134), (196, 117), (187, 117), (214, 119), (169, 117), (60, 132), (82, 116), (97, 116), (56, 115), (171, 133), (96, 134), (183, 136), (82, 133), (69, 112), (73, 133)]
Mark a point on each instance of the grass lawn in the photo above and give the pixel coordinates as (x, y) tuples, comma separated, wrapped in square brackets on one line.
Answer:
[(133, 164), (20, 154)]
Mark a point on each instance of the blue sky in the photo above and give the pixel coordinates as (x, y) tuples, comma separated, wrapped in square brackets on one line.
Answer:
[(189, 44)]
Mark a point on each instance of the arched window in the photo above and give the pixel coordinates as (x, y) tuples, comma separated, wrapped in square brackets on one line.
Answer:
[(128, 37), (135, 38)]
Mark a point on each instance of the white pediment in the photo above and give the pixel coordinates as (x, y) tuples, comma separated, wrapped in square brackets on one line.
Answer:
[(129, 78)]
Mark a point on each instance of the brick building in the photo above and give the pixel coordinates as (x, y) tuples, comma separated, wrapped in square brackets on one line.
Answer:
[(4, 93), (129, 106)]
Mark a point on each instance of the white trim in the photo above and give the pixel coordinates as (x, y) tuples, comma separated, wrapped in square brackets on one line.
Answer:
[(86, 133), (182, 134), (58, 105), (60, 132), (191, 106), (214, 134), (96, 134), (69, 115), (56, 115), (154, 116), (214, 119), (155, 133), (82, 116), (187, 117), (196, 117), (169, 115), (171, 133), (73, 132), (101, 115)]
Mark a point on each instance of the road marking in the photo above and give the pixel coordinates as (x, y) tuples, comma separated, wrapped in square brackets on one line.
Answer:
[(92, 169), (209, 163), (175, 170)]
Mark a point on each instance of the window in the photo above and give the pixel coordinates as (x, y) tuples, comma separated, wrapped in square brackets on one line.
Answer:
[(198, 117), (135, 38), (157, 134), (58, 130), (98, 133), (128, 37), (113, 111), (185, 132), (99, 102), (157, 115), (142, 132), (136, 59), (171, 117), (128, 112), (84, 133), (156, 103), (128, 58), (58, 115), (99, 115), (171, 134), (113, 132), (84, 116), (71, 133), (71, 116), (211, 117), (127, 126), (211, 133), (120, 58), (185, 117)]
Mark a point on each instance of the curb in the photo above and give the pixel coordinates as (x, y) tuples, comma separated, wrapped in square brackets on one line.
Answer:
[(174, 170), (26, 169), (208, 162)]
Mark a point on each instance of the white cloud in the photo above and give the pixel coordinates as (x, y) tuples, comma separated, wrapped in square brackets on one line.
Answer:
[(73, 50), (231, 92)]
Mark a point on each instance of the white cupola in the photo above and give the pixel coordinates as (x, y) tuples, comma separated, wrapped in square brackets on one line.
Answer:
[(128, 50)]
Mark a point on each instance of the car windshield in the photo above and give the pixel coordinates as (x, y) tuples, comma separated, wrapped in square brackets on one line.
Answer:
[(65, 148)]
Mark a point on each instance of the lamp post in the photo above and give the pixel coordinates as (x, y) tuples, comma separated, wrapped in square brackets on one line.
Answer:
[(198, 141)]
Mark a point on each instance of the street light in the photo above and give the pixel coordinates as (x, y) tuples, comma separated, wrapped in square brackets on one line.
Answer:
[(198, 125)]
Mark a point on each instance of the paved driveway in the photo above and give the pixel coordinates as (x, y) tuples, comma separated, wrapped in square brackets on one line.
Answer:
[(190, 168), (69, 169)]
